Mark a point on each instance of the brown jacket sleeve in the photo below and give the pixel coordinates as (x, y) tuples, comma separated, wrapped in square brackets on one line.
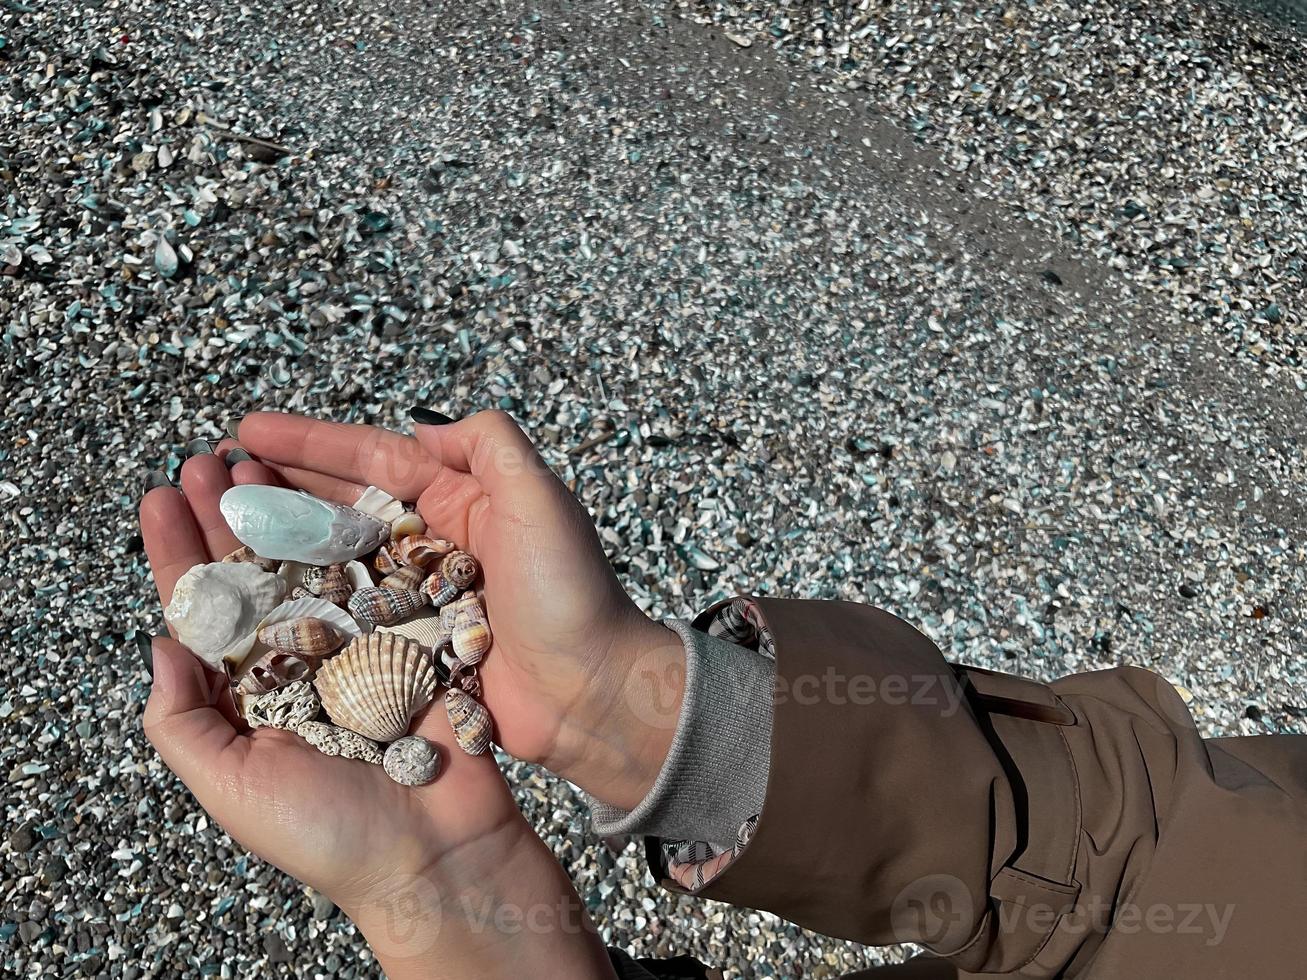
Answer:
[(1077, 829)]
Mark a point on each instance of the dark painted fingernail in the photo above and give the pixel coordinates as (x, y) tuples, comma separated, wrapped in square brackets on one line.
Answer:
[(237, 456), (425, 416), (145, 648), (198, 447), (155, 478), (234, 426)]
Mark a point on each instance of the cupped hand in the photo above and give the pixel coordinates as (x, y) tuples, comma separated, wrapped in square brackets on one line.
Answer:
[(415, 867), (578, 679)]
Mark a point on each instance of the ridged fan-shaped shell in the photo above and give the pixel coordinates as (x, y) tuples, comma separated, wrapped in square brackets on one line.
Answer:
[(376, 685), (470, 721)]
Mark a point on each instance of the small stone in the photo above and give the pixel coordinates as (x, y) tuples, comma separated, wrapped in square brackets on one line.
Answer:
[(23, 839), (276, 949), (412, 761)]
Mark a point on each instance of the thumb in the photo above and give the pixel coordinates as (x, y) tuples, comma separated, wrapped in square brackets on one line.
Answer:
[(183, 717)]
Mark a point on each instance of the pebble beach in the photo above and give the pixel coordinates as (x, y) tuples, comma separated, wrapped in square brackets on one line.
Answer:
[(988, 314)]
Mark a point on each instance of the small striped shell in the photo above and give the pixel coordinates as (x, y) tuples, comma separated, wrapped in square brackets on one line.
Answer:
[(421, 549), (305, 636), (272, 671), (470, 721), (384, 607), (333, 584), (460, 568), (376, 685), (386, 561), (406, 579), (471, 638), (409, 523), (439, 590), (246, 553)]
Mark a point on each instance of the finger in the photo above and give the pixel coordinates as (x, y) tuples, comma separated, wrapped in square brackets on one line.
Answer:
[(361, 454), (319, 484), (244, 469), (492, 448), (173, 542), (184, 722), (204, 480)]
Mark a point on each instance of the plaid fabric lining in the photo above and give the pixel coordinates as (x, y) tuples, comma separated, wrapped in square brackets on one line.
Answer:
[(692, 864)]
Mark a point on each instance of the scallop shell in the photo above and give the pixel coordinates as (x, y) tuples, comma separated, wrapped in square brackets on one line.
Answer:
[(409, 523), (470, 721), (376, 684), (384, 607), (380, 504), (460, 568), (439, 590), (423, 626), (385, 561), (288, 708), (334, 740), (273, 671), (471, 638), (246, 553), (420, 549), (307, 636), (406, 579)]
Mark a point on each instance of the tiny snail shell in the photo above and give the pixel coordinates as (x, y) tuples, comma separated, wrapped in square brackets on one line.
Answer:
[(406, 579), (419, 549), (385, 562), (470, 721), (306, 636), (246, 553), (412, 761), (410, 523), (385, 607), (471, 639), (439, 590), (332, 584), (460, 568)]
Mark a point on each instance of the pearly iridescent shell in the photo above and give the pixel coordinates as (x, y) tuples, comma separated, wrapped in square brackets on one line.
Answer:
[(412, 761), (471, 638), (460, 568), (421, 549), (216, 608), (376, 685), (334, 740), (306, 636), (406, 579), (379, 504), (384, 607), (293, 526), (470, 721)]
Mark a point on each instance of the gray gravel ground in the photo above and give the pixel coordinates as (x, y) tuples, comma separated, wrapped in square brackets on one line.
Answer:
[(991, 315)]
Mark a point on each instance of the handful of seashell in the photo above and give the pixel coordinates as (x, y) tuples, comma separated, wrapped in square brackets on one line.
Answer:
[(352, 611)]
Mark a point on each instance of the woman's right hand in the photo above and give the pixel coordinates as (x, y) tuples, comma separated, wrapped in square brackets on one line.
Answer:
[(444, 880)]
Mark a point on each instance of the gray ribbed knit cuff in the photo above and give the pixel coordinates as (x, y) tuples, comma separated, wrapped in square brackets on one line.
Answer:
[(715, 774)]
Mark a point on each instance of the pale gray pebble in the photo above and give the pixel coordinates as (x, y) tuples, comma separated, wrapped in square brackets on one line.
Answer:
[(412, 761)]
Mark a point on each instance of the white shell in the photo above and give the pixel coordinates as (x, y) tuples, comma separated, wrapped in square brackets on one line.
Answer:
[(412, 761), (216, 608), (295, 526), (287, 708), (424, 626), (358, 575), (380, 504), (409, 523), (333, 740)]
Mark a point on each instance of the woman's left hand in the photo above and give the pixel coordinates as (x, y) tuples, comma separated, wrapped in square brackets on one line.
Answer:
[(446, 879)]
